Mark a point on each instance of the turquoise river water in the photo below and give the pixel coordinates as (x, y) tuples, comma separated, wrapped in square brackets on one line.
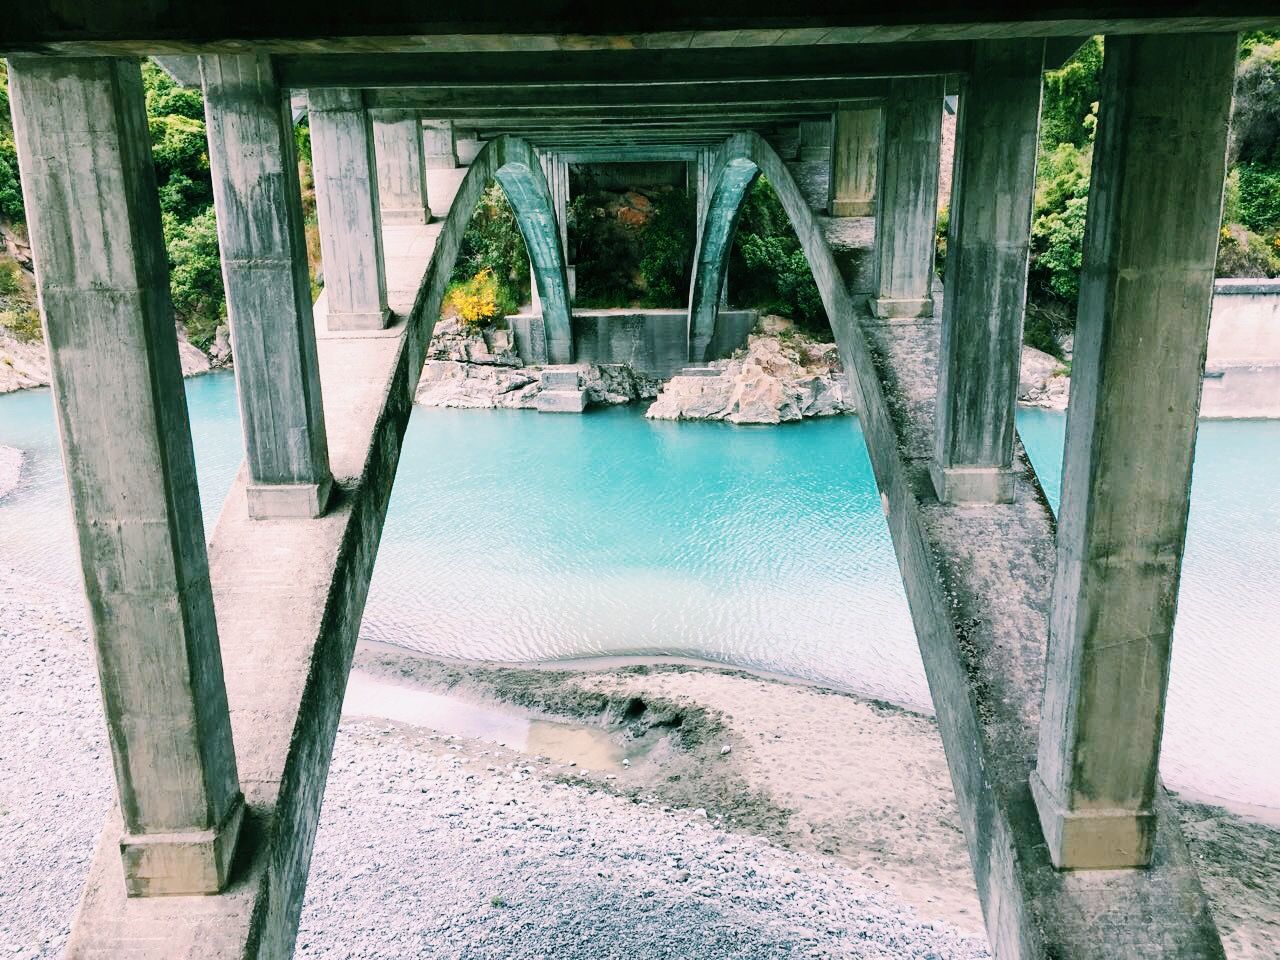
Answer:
[(517, 536)]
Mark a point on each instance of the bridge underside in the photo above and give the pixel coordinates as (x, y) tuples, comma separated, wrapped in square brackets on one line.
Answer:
[(1046, 647)]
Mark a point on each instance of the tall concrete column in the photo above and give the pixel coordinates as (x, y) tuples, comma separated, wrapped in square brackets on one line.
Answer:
[(402, 175), (1145, 293), (855, 156), (347, 207), (986, 279), (556, 169), (440, 160), (264, 269), (94, 218), (815, 140), (907, 211)]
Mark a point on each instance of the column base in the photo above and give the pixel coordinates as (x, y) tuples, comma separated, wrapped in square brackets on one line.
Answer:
[(972, 484), (181, 864), (291, 501), (407, 216), (853, 208), (1093, 839), (885, 308), (359, 321)]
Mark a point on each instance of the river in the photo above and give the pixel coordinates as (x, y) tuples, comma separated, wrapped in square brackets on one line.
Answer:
[(518, 536)]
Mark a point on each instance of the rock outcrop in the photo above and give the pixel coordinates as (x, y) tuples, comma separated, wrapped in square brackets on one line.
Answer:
[(1043, 380), (482, 370), (777, 379)]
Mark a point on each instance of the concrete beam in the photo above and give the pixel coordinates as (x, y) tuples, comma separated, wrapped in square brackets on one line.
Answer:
[(181, 26), (401, 162), (907, 213), (94, 219), (855, 159), (812, 61), (503, 99), (993, 192), (264, 269), (347, 207), (1145, 293)]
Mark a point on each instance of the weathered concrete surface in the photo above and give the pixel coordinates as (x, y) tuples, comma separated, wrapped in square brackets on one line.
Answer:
[(402, 176), (978, 581), (1145, 292), (83, 145), (264, 268), (347, 208), (986, 281), (654, 343), (907, 209), (815, 140), (289, 597), (855, 160)]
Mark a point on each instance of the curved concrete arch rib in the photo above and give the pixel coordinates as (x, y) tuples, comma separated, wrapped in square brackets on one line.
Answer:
[(741, 159), (513, 163)]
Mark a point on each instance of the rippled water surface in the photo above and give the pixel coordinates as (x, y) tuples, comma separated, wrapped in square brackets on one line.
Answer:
[(519, 536)]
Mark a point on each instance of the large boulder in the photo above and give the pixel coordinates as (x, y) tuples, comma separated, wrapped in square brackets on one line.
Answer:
[(1043, 380), (779, 378)]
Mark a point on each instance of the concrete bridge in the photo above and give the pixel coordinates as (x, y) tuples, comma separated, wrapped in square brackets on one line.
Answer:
[(223, 665)]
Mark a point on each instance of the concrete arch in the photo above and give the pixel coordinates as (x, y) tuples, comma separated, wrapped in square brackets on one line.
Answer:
[(514, 164), (741, 159)]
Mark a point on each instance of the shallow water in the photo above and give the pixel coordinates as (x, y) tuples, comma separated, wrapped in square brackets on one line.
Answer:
[(519, 536)]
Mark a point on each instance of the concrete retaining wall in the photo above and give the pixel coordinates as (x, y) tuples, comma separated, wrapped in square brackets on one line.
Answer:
[(1242, 371), (653, 342)]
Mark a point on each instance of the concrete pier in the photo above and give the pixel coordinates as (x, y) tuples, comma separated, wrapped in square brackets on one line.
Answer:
[(815, 140), (83, 145), (401, 162), (855, 158), (264, 268), (907, 211), (348, 209), (1142, 329), (993, 192)]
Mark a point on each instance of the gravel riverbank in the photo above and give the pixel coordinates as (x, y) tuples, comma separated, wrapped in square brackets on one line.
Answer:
[(710, 814)]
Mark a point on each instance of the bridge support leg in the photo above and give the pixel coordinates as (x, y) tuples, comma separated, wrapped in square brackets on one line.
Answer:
[(440, 158), (907, 212), (986, 277), (855, 153), (815, 140), (402, 181), (264, 267), (1145, 293), (91, 193), (348, 210)]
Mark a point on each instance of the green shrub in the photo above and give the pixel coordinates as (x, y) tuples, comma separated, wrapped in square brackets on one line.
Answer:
[(1243, 253), (11, 207), (10, 277), (1070, 96), (666, 245), (478, 301), (1057, 241), (1259, 203), (22, 324), (1255, 119), (195, 275), (940, 241), (492, 242)]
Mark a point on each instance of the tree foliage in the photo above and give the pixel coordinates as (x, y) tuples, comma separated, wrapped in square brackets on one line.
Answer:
[(492, 242), (768, 268), (666, 247), (1070, 94)]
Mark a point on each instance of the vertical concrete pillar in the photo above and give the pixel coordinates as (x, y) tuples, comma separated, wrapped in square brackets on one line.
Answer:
[(556, 169), (264, 268), (347, 207), (94, 218), (907, 211), (855, 153), (440, 159), (986, 279), (402, 174), (815, 140), (1145, 293)]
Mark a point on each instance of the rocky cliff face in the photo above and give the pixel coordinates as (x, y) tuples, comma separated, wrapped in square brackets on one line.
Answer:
[(776, 380), (1043, 380)]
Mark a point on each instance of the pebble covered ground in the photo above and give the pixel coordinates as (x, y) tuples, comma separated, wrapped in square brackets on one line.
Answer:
[(434, 846)]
